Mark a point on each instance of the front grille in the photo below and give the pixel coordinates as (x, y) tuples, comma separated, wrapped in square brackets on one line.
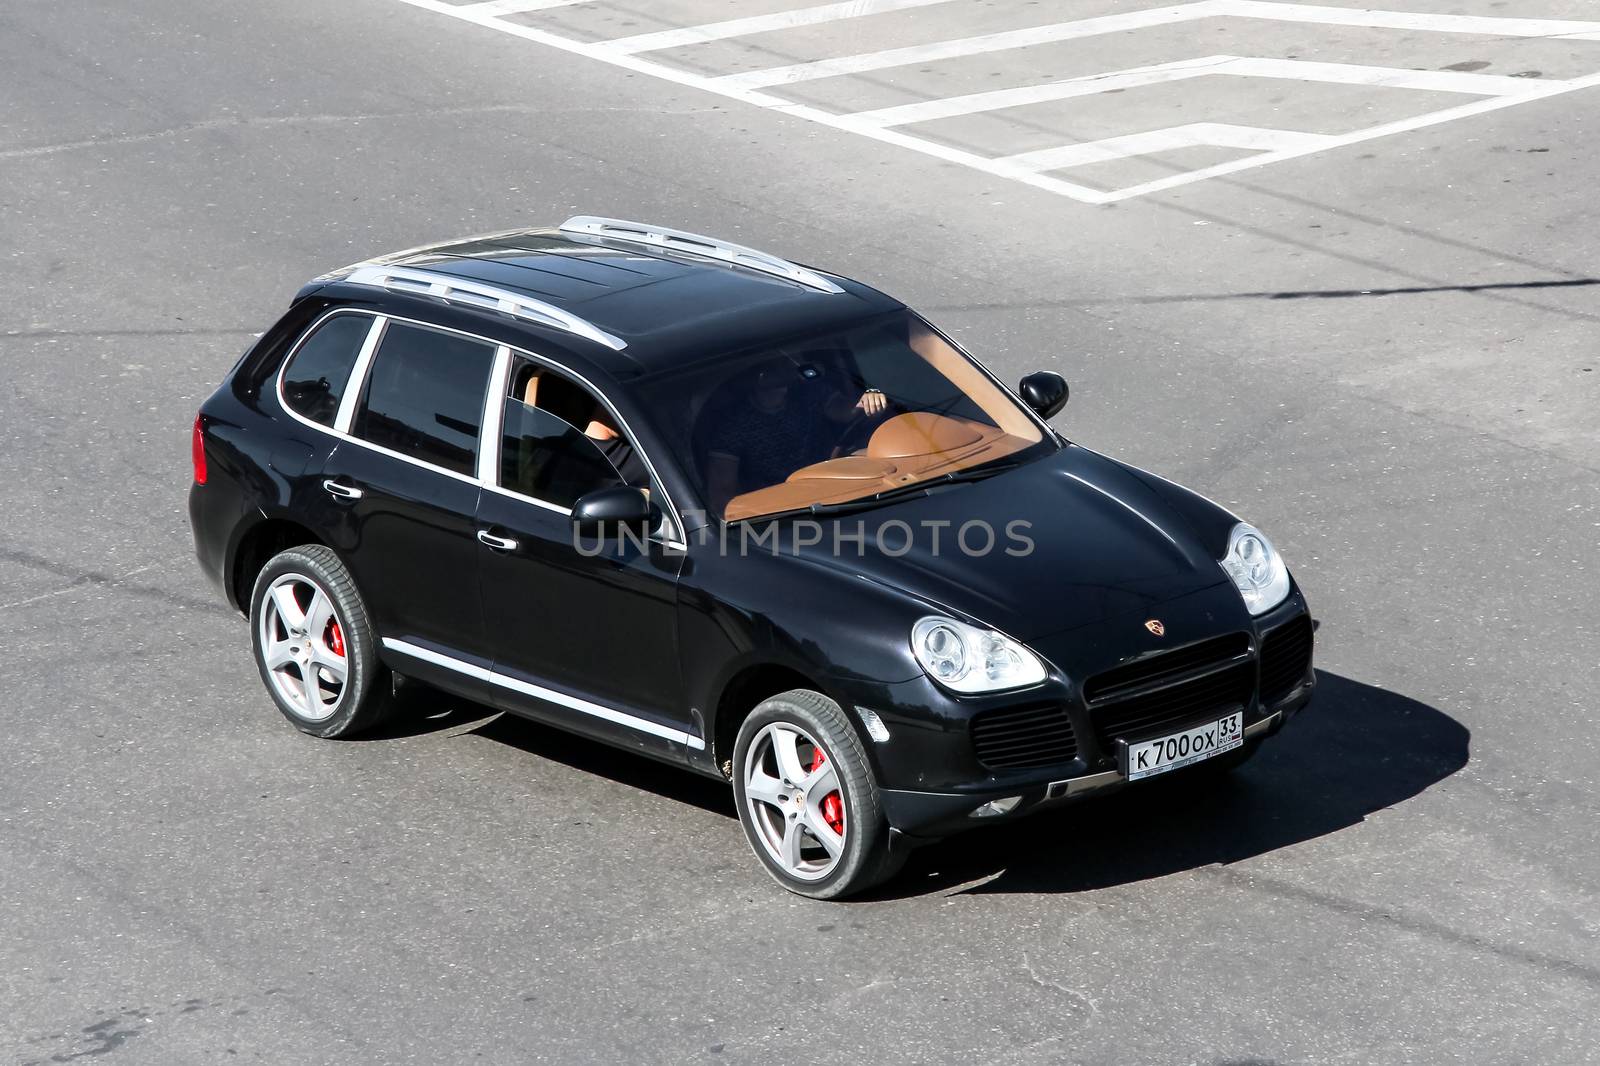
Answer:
[(1014, 738), (1285, 659), (1164, 667), (1209, 696)]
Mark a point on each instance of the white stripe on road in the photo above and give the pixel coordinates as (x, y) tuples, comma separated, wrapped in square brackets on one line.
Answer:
[(728, 89), (514, 7), (1388, 129), (967, 46), (1238, 66), (1438, 81), (1093, 27), (780, 20), (1212, 134), (1486, 25), (996, 99)]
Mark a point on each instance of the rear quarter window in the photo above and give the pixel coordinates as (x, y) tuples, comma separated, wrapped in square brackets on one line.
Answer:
[(315, 379), (424, 396)]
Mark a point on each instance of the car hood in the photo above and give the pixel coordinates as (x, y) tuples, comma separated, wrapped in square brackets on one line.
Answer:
[(1104, 542)]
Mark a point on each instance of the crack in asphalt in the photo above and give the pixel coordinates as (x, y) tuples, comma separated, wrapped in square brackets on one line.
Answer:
[(1082, 999), (1410, 923), (31, 334), (269, 121), (79, 578)]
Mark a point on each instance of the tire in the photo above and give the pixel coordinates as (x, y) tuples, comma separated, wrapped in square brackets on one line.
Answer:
[(791, 829), (327, 602)]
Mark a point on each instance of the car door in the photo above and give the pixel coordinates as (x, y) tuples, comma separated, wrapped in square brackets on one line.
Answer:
[(402, 491), (584, 638)]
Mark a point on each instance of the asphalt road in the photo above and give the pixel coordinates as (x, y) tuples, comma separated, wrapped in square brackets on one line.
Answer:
[(1383, 353)]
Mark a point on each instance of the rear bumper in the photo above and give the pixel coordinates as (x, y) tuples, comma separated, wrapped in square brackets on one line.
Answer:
[(929, 815), (213, 515)]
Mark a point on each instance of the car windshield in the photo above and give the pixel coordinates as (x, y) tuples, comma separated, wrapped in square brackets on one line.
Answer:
[(843, 416)]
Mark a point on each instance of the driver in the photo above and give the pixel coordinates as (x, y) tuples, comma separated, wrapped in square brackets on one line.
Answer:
[(773, 429)]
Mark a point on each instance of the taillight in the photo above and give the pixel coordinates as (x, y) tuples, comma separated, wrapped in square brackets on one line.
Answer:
[(199, 453)]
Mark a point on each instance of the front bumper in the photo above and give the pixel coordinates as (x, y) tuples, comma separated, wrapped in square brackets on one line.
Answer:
[(930, 815), (929, 771)]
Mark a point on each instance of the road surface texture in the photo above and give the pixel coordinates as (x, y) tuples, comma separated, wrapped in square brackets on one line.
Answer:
[(1333, 267)]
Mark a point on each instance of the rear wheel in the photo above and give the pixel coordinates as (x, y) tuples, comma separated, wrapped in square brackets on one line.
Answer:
[(807, 800), (314, 644)]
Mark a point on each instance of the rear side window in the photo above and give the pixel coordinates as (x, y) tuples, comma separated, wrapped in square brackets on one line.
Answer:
[(424, 396), (315, 379)]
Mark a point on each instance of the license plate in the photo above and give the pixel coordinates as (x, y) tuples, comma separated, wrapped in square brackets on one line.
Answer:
[(1150, 757)]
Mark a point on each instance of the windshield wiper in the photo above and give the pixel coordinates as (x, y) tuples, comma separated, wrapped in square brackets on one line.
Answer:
[(900, 492), (916, 488)]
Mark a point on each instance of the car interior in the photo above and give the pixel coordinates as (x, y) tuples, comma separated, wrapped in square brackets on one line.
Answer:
[(943, 415), (544, 453)]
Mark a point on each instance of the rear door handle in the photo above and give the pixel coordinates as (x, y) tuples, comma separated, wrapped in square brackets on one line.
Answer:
[(503, 544), (344, 492)]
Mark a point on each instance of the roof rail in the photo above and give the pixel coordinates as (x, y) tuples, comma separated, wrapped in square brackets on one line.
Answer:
[(617, 229), (477, 294)]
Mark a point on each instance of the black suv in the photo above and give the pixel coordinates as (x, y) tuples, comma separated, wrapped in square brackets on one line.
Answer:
[(733, 513)]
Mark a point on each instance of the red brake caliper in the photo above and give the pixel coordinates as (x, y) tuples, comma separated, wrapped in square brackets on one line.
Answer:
[(832, 803), (334, 638)]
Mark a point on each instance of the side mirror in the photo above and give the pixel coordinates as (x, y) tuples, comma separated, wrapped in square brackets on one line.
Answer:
[(1045, 391), (608, 512)]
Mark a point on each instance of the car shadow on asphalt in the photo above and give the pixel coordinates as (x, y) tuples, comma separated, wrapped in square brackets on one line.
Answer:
[(1355, 750), (431, 712)]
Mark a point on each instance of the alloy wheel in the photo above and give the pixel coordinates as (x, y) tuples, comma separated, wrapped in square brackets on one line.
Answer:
[(302, 645), (794, 801)]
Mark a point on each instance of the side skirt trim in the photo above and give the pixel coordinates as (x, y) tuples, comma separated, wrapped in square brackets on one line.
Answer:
[(494, 677)]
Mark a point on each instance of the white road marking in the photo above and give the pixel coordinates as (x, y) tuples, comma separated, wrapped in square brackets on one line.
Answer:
[(514, 7), (780, 20), (1388, 129), (1438, 81), (1238, 66), (1486, 25), (968, 46), (1067, 31), (1214, 134), (745, 87)]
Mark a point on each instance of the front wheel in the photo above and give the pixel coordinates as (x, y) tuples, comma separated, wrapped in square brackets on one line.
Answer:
[(807, 799)]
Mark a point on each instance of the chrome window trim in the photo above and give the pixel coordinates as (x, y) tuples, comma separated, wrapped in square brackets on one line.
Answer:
[(358, 374), (494, 405), (300, 342), (576, 703), (525, 498), (983, 368), (672, 538)]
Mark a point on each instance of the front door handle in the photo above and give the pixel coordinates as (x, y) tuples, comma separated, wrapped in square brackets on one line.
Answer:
[(503, 544), (344, 492)]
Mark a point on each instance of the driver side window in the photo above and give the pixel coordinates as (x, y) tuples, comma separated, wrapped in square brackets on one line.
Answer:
[(559, 442)]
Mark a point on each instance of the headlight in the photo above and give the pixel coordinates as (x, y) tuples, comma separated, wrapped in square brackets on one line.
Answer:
[(965, 658), (1256, 568)]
